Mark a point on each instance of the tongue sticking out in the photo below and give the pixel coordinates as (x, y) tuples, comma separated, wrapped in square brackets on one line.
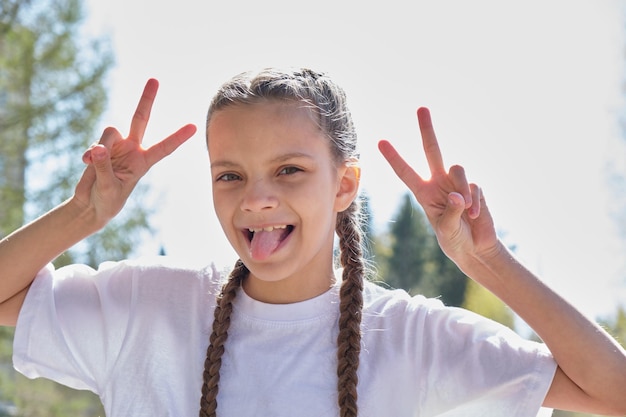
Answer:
[(264, 243)]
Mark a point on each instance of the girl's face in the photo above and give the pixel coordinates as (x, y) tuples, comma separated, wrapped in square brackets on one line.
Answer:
[(276, 190)]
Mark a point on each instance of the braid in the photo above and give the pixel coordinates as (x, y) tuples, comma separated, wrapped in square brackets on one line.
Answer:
[(221, 323), (350, 307)]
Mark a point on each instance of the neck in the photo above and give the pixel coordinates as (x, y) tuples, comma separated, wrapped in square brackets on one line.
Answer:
[(288, 290)]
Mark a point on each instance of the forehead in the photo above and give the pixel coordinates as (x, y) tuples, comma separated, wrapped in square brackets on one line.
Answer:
[(268, 123), (285, 112)]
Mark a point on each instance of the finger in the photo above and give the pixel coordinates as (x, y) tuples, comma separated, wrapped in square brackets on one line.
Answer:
[(109, 136), (450, 221), (101, 162), (482, 218), (86, 181), (403, 170), (460, 184), (142, 113), (477, 201), (429, 142), (168, 145)]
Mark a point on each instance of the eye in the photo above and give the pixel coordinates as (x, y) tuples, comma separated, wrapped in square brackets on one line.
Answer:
[(227, 177), (290, 170)]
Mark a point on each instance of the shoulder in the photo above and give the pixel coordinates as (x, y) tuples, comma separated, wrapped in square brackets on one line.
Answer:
[(428, 326), (145, 275), (387, 301), (152, 267), (400, 310)]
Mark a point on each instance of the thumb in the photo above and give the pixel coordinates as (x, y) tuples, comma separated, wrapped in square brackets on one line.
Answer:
[(450, 221), (101, 162)]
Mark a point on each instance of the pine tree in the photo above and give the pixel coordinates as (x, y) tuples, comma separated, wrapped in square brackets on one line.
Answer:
[(411, 245), (416, 263)]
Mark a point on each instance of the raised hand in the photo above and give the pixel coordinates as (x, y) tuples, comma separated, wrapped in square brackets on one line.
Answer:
[(455, 208), (115, 164)]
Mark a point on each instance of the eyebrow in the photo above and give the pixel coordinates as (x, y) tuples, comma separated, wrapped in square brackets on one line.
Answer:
[(278, 159)]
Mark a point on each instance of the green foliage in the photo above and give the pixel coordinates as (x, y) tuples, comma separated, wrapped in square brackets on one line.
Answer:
[(40, 397), (482, 301), (414, 260), (410, 247), (444, 279), (44, 398), (6, 344), (52, 94)]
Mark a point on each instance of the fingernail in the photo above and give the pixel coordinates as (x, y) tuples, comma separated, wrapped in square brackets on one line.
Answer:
[(474, 211), (98, 153)]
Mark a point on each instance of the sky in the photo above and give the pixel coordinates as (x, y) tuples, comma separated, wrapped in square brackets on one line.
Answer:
[(525, 95)]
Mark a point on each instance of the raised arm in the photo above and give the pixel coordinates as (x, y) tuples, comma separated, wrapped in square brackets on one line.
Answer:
[(114, 166), (591, 373)]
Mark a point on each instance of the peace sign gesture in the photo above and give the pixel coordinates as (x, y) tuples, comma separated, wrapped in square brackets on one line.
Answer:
[(455, 208), (115, 164)]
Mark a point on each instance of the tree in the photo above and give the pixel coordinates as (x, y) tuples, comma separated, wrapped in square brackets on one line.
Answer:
[(416, 263), (411, 245), (52, 93), (444, 279)]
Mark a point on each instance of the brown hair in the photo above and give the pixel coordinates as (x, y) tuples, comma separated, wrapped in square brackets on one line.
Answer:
[(328, 101)]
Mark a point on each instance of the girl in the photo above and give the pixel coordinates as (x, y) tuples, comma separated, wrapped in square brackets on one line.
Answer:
[(286, 335)]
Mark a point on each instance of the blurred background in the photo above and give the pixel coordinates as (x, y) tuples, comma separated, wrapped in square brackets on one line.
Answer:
[(527, 95)]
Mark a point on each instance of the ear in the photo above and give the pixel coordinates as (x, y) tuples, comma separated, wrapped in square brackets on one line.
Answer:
[(349, 180)]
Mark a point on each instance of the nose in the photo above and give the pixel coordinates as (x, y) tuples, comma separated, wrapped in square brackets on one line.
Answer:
[(259, 196)]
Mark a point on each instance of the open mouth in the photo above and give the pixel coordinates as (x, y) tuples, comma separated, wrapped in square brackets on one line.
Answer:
[(281, 229), (264, 241)]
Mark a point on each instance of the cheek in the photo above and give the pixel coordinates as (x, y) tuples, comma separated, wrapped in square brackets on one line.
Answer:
[(318, 209), (222, 209)]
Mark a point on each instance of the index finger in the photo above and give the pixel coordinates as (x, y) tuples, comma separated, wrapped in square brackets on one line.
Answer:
[(142, 114), (429, 142), (402, 169)]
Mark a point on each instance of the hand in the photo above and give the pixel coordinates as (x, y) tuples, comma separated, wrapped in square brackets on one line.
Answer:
[(455, 208), (115, 164)]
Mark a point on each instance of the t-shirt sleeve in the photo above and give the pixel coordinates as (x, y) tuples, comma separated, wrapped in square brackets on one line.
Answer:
[(72, 324), (477, 367)]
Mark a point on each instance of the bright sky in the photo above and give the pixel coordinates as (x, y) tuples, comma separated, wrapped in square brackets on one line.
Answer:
[(524, 94)]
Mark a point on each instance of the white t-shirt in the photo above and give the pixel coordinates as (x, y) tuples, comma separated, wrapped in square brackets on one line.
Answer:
[(136, 334)]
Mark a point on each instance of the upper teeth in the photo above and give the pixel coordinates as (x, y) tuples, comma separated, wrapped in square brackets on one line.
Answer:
[(268, 229)]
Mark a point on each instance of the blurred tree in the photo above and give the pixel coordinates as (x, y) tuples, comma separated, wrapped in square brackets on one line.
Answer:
[(416, 263), (443, 278), (52, 94), (410, 244), (480, 300)]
